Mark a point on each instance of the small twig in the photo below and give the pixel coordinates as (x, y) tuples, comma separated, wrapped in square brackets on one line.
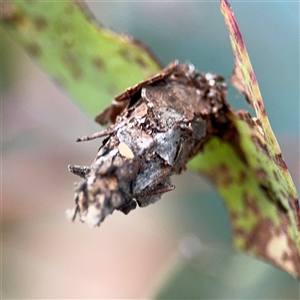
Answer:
[(81, 171), (96, 135)]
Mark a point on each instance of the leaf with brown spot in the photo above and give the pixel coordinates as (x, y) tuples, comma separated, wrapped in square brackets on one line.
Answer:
[(261, 197), (54, 35), (254, 151)]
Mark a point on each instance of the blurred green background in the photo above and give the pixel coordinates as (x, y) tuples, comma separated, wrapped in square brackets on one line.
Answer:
[(179, 248)]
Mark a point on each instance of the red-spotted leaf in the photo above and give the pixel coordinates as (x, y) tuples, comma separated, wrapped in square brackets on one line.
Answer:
[(249, 172), (280, 238)]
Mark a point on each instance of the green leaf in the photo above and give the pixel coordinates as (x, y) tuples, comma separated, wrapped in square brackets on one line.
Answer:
[(251, 175), (90, 63)]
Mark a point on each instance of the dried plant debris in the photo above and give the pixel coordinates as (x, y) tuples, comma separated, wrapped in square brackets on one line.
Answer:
[(155, 128)]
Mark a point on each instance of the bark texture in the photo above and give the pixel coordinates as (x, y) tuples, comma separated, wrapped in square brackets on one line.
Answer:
[(155, 128)]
